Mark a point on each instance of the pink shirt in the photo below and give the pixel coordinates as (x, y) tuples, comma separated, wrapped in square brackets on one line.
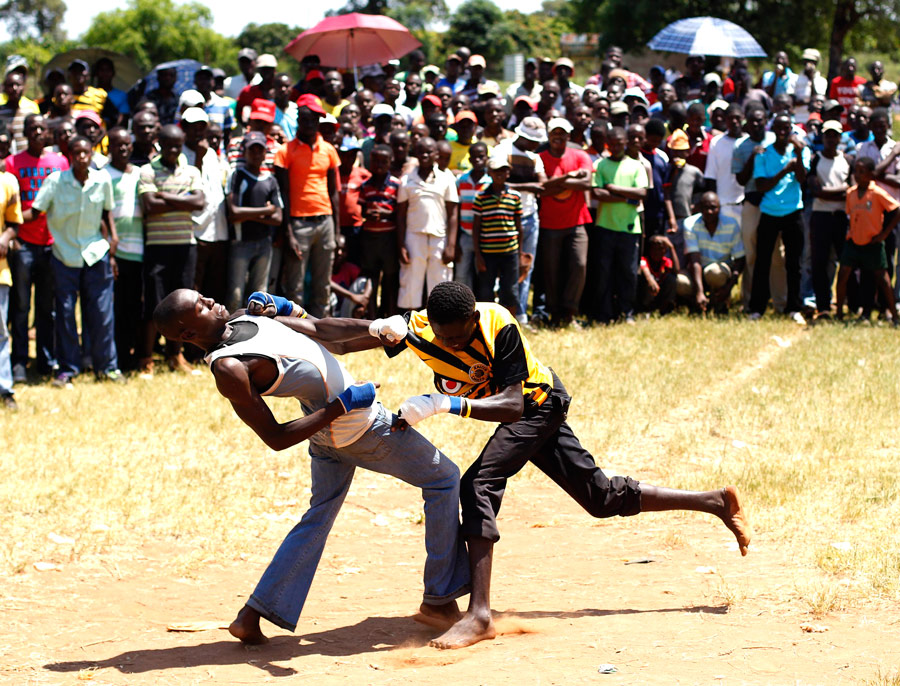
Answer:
[(31, 172)]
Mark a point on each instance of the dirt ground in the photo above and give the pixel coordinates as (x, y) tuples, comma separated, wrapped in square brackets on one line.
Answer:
[(572, 594)]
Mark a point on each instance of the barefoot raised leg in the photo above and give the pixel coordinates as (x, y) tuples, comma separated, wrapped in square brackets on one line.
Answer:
[(246, 627), (470, 629), (736, 519), (439, 616)]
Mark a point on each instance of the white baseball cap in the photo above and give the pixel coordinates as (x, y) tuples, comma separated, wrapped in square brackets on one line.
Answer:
[(559, 123), (192, 115), (190, 98), (382, 109)]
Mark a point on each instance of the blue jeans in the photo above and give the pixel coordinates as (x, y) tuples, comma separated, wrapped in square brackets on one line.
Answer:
[(529, 246), (464, 268), (281, 592), (95, 286), (248, 270), (30, 265), (6, 383)]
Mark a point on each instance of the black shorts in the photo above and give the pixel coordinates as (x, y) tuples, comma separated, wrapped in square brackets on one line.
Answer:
[(542, 437)]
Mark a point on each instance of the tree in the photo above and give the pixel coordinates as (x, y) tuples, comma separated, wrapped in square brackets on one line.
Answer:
[(40, 19), (154, 31), (271, 37), (481, 26), (877, 19), (535, 34)]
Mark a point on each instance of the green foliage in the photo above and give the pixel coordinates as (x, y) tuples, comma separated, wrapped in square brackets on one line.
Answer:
[(154, 31), (271, 37), (537, 33), (482, 27), (775, 24), (36, 18)]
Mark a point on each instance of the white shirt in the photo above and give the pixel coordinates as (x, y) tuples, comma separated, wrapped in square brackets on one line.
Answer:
[(427, 212), (870, 149), (235, 84), (830, 173), (718, 168), (507, 150), (802, 90), (210, 223)]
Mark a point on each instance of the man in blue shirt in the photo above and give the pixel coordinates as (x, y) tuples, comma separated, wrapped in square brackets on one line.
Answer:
[(780, 173), (454, 79)]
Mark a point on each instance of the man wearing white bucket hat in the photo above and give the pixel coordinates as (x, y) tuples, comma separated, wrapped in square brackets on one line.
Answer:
[(526, 175)]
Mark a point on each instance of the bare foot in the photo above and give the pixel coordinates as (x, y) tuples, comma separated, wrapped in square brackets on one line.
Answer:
[(736, 519), (439, 616), (246, 627), (470, 629)]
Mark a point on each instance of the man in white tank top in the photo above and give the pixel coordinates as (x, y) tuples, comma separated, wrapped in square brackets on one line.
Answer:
[(251, 357)]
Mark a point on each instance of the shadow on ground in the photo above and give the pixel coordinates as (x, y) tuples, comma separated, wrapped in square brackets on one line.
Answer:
[(372, 635)]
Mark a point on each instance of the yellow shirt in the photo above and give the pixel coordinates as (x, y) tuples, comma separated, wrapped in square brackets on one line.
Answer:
[(334, 110), (26, 105), (10, 213)]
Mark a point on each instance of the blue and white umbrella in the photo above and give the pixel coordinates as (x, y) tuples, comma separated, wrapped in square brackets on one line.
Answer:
[(706, 36)]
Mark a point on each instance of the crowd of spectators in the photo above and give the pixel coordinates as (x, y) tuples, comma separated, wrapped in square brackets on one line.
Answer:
[(571, 203)]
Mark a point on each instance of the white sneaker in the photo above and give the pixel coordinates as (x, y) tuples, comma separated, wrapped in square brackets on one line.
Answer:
[(797, 318), (754, 317)]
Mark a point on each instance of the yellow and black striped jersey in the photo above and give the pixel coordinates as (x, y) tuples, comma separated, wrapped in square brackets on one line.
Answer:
[(498, 356)]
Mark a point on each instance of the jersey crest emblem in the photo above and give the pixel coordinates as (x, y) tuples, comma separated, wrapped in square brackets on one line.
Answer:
[(479, 372)]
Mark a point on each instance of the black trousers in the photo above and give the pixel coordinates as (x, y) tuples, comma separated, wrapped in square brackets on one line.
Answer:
[(791, 230), (542, 437), (827, 231), (129, 310)]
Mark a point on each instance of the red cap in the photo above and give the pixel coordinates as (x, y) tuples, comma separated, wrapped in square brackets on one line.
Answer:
[(433, 99), (524, 98), (466, 114), (815, 116), (314, 74), (263, 110), (311, 102)]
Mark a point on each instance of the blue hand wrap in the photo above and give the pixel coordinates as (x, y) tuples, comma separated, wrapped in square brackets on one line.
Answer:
[(456, 405), (357, 395), (283, 306)]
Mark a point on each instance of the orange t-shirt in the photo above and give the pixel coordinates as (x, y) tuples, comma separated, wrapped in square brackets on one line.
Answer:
[(307, 169), (867, 213)]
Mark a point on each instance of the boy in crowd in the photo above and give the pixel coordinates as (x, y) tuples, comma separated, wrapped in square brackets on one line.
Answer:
[(378, 240), (683, 185), (78, 203), (465, 126), (658, 276), (255, 209), (426, 226), (353, 176), (497, 237), (131, 336), (873, 216), (469, 185), (350, 290)]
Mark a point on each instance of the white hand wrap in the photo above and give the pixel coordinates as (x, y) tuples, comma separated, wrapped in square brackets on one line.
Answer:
[(393, 328), (420, 407)]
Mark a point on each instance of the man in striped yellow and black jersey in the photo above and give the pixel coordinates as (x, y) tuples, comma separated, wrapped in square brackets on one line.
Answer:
[(485, 369)]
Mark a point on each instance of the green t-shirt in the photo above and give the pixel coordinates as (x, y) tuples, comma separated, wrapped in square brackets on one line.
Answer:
[(629, 173), (127, 213)]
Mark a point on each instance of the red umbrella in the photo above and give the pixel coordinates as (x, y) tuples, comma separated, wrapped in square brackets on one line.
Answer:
[(350, 39)]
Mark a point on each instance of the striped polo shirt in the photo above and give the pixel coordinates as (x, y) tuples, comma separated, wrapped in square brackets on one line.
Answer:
[(384, 197), (726, 245), (175, 227), (468, 187), (498, 212)]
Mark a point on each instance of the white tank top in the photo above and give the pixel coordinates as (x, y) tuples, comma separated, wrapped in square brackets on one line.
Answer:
[(306, 371)]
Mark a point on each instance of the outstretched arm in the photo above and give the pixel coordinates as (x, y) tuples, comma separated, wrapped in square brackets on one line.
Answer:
[(505, 407)]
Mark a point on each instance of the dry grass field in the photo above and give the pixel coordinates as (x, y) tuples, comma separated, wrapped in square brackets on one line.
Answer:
[(129, 509)]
